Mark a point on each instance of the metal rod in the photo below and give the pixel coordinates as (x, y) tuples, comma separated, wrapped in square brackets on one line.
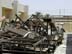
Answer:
[(15, 51)]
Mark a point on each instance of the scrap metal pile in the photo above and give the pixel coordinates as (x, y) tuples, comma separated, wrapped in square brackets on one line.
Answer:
[(31, 36)]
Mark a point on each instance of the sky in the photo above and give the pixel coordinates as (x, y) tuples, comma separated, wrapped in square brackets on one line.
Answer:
[(53, 7)]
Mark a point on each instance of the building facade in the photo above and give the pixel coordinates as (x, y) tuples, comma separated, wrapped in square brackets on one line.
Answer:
[(9, 8)]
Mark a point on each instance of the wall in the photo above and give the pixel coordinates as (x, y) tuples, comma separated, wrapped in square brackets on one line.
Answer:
[(15, 8), (6, 3), (25, 12), (20, 8), (67, 22), (68, 26)]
